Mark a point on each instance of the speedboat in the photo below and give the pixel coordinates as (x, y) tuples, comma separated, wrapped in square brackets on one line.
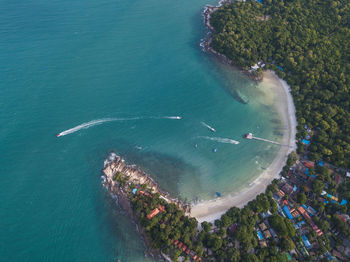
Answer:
[(211, 129), (208, 126), (58, 135)]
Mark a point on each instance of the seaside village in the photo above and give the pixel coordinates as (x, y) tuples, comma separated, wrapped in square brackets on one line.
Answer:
[(303, 216)]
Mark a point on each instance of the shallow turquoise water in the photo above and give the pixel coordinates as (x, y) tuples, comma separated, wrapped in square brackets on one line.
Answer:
[(65, 63)]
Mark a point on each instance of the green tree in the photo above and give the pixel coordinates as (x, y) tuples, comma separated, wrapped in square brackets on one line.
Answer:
[(287, 244), (249, 258), (301, 198), (206, 226), (317, 187), (233, 255)]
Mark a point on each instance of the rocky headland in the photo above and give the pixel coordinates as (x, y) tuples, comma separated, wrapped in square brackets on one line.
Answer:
[(120, 178)]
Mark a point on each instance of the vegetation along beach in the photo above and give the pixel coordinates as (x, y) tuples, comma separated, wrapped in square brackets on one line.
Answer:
[(213, 209)]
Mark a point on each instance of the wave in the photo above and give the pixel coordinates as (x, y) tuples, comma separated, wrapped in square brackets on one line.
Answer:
[(104, 120), (111, 158), (220, 140)]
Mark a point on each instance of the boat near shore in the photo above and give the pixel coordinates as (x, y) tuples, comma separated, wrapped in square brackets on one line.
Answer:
[(242, 98)]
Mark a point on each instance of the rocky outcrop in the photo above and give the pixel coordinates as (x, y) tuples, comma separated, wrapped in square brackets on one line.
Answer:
[(116, 165)]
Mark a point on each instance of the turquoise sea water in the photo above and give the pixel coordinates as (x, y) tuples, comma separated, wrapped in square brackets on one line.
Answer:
[(65, 63)]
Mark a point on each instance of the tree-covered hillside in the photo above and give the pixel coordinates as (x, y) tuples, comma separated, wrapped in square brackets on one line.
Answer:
[(308, 44)]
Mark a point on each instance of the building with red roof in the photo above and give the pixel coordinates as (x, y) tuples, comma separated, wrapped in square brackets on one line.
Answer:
[(153, 213), (337, 179), (306, 215), (309, 164)]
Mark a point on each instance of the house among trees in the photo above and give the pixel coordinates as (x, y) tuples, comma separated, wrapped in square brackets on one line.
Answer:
[(267, 234), (287, 189), (156, 211), (262, 226), (153, 213), (263, 243)]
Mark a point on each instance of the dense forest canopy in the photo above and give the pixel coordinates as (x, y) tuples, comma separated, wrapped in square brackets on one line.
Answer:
[(308, 44)]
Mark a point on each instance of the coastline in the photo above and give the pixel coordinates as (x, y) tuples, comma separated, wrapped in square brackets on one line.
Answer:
[(206, 42), (130, 176), (213, 209), (112, 165)]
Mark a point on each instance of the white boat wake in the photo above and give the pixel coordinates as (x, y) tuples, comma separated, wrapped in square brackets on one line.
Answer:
[(165, 117), (104, 120), (220, 140), (208, 126)]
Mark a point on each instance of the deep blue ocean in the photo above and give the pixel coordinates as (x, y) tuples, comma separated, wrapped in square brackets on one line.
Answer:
[(130, 65)]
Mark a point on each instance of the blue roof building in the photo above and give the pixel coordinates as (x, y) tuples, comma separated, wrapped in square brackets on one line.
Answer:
[(260, 235), (306, 242), (309, 209), (312, 210), (329, 256), (343, 202), (287, 212), (305, 142)]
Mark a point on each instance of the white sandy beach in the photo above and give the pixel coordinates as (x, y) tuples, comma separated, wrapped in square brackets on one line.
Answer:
[(213, 209)]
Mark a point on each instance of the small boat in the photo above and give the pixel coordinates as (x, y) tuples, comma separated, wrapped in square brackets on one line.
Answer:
[(214, 150), (218, 194), (195, 145), (211, 129), (242, 98), (208, 126), (248, 136), (58, 135)]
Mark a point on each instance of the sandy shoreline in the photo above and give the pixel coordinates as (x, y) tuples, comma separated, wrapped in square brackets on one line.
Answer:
[(213, 209)]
